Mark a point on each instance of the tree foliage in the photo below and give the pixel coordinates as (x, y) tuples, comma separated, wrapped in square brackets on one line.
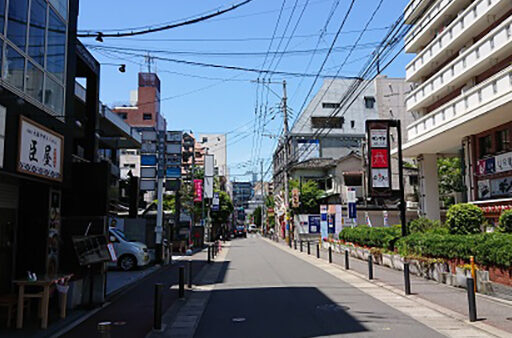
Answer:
[(464, 219), (450, 178), (309, 195), (257, 216)]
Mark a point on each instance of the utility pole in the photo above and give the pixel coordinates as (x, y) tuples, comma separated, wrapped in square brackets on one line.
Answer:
[(288, 227), (262, 218)]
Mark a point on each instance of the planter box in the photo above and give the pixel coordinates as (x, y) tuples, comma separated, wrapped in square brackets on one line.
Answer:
[(74, 294), (387, 260)]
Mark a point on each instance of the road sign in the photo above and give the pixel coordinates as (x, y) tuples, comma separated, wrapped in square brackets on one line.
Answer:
[(215, 202), (352, 210)]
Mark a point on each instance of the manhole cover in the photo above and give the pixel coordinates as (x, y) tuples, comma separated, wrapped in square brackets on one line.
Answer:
[(119, 323), (238, 320), (332, 307)]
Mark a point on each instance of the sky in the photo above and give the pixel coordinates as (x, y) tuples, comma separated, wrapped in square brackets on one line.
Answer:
[(214, 100)]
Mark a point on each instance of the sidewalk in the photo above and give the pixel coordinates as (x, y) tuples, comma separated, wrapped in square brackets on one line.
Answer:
[(491, 311)]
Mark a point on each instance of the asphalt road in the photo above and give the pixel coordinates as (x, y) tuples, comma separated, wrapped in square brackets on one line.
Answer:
[(266, 292)]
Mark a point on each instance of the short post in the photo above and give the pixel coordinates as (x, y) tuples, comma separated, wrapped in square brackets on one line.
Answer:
[(157, 307), (181, 282), (300, 245), (473, 269), (347, 263), (309, 249), (209, 254), (471, 298), (407, 279), (318, 250), (330, 254), (190, 274), (370, 267), (295, 244)]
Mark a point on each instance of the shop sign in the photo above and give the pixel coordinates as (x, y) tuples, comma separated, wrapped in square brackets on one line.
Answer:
[(377, 135), (504, 162), (198, 190), (314, 224), (484, 189), (501, 186), (173, 172), (378, 138), (215, 201), (380, 158), (40, 150)]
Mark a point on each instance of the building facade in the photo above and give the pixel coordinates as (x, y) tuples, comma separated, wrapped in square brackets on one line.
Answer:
[(461, 98)]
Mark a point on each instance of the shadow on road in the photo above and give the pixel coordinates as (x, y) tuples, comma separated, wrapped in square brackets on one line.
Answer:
[(275, 312)]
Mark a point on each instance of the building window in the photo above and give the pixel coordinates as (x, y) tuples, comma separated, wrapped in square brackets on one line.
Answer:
[(485, 145), (413, 180), (36, 39), (61, 6), (2, 15), (147, 116), (369, 102), (124, 116), (34, 81), (352, 124), (55, 59), (17, 23), (14, 68), (54, 95), (327, 122), (330, 105), (503, 140)]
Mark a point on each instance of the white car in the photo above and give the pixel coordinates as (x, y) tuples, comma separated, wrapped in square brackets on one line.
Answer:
[(253, 228), (129, 254)]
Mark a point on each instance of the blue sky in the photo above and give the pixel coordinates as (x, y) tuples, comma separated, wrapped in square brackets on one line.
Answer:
[(211, 100)]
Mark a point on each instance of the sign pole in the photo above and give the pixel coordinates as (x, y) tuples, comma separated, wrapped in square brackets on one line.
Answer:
[(403, 217)]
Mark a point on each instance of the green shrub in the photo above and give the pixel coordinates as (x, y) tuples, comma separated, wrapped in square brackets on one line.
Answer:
[(505, 224), (464, 219), (488, 249), (424, 224), (379, 237)]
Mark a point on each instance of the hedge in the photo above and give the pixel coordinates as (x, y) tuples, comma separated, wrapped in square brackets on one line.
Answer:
[(372, 237), (490, 249)]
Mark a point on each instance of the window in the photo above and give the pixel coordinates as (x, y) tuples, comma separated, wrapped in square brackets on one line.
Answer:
[(124, 116), (13, 70), (2, 15), (129, 165), (369, 102), (485, 145), (61, 6), (330, 105), (413, 180), (205, 139), (503, 140), (147, 116), (54, 95), (352, 124), (327, 122), (55, 58), (17, 23), (34, 82), (36, 37)]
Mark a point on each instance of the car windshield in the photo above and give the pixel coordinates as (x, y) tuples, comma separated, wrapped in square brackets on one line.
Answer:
[(120, 234)]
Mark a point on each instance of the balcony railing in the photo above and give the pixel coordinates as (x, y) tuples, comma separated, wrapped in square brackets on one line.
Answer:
[(426, 28), (413, 9), (468, 24), (496, 45), (492, 89)]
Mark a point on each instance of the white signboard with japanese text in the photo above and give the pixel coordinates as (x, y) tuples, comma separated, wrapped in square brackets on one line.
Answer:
[(504, 162), (40, 150), (380, 178), (379, 138)]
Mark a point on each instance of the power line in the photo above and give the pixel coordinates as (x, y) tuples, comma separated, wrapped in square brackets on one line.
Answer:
[(99, 35)]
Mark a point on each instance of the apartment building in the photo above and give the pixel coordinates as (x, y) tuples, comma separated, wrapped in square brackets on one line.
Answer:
[(461, 93)]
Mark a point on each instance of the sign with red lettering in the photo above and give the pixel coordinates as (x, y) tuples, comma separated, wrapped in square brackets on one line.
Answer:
[(380, 158)]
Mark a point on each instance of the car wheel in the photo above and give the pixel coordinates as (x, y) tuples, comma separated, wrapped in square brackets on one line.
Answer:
[(127, 263)]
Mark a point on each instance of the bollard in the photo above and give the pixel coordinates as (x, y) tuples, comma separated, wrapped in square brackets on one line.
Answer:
[(347, 263), (318, 250), (407, 279), (330, 254), (181, 282), (300, 245), (190, 274), (157, 307), (170, 254), (104, 329), (295, 244), (370, 267), (471, 298), (209, 255), (309, 249)]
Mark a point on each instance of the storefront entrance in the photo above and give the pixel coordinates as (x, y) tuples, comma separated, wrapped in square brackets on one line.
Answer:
[(8, 212)]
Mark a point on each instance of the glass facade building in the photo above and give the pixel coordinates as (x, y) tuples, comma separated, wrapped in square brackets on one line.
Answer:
[(33, 36)]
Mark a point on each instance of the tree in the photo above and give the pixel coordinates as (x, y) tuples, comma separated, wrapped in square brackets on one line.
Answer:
[(269, 202), (450, 179), (309, 195), (257, 216)]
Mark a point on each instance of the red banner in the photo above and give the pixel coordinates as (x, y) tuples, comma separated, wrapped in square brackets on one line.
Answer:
[(198, 190)]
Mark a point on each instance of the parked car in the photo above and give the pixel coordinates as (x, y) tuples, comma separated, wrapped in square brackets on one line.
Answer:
[(253, 228), (129, 254), (240, 231)]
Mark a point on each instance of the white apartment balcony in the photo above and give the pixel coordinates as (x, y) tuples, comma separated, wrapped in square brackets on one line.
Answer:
[(413, 9), (491, 49), (471, 22), (480, 108), (432, 22)]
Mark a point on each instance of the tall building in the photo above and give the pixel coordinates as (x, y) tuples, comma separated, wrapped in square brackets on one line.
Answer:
[(461, 93), (216, 144)]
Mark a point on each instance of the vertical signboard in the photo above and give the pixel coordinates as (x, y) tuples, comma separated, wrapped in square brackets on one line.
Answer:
[(215, 202), (379, 160), (208, 165), (2, 134), (198, 190), (323, 221)]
